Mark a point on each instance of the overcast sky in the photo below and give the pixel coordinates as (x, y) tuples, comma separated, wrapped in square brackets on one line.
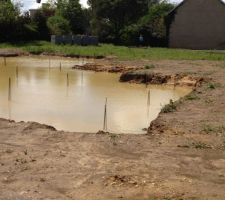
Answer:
[(28, 4)]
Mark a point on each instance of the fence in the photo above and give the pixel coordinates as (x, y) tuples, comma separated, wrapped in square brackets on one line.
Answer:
[(72, 39)]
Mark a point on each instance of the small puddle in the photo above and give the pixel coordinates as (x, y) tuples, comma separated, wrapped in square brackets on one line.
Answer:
[(42, 93)]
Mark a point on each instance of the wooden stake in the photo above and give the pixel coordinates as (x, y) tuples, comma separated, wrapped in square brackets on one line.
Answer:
[(148, 102), (60, 66), (82, 78), (146, 82), (9, 110), (49, 64), (105, 117), (149, 98), (67, 79), (9, 92), (17, 72), (5, 61)]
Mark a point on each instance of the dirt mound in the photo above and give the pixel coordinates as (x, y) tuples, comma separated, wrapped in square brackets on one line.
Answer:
[(105, 68), (34, 125), (144, 76)]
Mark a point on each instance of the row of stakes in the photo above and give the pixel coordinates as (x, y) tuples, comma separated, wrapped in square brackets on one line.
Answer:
[(49, 63), (17, 77), (105, 121), (105, 127)]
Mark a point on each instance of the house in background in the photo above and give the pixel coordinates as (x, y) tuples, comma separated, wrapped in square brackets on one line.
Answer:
[(197, 24), (33, 12)]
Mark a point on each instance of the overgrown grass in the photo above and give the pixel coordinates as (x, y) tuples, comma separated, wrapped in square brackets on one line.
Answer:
[(171, 107), (121, 52)]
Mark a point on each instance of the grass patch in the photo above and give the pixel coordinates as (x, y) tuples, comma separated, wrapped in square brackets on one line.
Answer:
[(201, 145), (122, 52), (213, 86), (207, 128), (192, 97), (171, 107)]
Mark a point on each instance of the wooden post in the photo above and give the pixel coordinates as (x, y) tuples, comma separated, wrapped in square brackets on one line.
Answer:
[(9, 91), (49, 63), (9, 110), (146, 82), (82, 78), (17, 72), (105, 117), (60, 67), (5, 61), (148, 102), (67, 79), (149, 98)]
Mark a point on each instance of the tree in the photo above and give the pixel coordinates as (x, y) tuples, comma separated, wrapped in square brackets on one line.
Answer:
[(24, 29), (72, 11), (58, 25), (8, 15), (114, 15), (151, 26), (40, 21)]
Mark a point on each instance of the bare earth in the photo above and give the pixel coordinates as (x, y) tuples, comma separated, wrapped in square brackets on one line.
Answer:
[(182, 157)]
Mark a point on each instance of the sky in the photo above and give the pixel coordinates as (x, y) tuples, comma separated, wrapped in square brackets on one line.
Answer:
[(28, 4)]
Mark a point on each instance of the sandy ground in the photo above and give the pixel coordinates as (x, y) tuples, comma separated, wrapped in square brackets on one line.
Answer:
[(182, 157)]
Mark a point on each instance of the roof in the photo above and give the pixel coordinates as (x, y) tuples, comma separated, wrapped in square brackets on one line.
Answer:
[(180, 4)]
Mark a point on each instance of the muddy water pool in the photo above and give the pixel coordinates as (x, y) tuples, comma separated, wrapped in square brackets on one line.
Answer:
[(41, 92)]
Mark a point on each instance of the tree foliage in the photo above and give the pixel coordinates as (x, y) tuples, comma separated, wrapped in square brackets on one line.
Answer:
[(8, 15), (114, 21), (113, 15), (72, 11), (151, 26), (58, 25)]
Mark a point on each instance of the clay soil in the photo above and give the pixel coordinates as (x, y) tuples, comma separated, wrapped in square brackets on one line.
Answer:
[(182, 157)]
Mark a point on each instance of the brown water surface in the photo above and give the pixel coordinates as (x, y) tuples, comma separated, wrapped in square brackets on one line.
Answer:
[(41, 93)]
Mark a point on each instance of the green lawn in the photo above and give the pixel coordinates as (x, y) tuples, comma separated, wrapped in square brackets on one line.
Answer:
[(124, 53)]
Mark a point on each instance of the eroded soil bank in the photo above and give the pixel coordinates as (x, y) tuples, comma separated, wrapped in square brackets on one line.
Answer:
[(134, 74), (182, 157)]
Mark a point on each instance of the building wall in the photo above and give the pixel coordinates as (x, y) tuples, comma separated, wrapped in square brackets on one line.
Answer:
[(198, 24), (33, 13)]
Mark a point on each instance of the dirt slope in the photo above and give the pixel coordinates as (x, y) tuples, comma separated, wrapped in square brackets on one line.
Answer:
[(182, 156)]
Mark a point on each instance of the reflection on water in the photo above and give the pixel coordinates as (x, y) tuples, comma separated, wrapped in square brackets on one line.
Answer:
[(74, 100)]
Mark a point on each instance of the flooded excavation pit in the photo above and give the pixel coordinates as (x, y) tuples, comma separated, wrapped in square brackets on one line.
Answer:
[(49, 91)]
